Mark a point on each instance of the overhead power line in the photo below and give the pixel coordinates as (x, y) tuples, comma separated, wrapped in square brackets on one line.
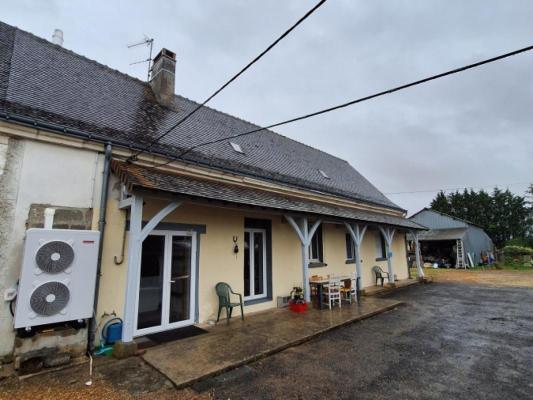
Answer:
[(353, 102), (220, 89), (459, 188)]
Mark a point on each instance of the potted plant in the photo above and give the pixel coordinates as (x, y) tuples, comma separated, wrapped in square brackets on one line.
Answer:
[(297, 302)]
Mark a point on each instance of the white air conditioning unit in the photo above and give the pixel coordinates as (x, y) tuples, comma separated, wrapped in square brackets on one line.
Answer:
[(57, 277)]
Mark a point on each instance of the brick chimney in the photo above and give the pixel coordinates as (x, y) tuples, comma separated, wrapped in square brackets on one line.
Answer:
[(163, 77)]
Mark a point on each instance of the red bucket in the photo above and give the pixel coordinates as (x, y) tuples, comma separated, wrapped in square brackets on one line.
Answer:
[(298, 307)]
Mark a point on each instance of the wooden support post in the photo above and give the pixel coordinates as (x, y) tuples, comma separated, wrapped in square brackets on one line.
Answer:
[(134, 262), (388, 234), (417, 251), (357, 232), (305, 235), (137, 235)]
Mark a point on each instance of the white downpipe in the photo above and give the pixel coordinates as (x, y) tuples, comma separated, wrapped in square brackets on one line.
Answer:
[(49, 217)]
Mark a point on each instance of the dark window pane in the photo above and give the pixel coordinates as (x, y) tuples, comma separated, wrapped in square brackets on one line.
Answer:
[(383, 247), (180, 279), (258, 263), (380, 246), (151, 282), (315, 250), (350, 253)]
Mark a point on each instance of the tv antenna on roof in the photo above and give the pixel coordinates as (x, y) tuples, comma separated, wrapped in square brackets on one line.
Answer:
[(149, 42)]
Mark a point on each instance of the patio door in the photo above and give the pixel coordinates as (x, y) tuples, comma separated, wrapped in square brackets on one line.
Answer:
[(255, 273), (167, 282)]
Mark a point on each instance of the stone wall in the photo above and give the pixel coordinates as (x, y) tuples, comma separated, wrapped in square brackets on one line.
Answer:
[(64, 217)]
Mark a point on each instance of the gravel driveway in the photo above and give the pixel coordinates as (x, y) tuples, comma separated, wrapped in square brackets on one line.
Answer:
[(451, 341)]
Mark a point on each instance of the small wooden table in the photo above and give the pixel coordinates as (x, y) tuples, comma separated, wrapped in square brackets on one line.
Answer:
[(320, 282)]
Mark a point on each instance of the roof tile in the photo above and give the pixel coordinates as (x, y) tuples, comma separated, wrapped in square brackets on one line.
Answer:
[(54, 85)]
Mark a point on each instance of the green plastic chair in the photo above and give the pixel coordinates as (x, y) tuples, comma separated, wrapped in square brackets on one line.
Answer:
[(224, 293), (380, 274)]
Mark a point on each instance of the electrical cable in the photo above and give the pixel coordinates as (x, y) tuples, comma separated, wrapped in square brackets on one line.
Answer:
[(270, 47), (11, 306), (352, 102)]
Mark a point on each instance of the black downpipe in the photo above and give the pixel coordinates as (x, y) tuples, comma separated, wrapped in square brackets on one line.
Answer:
[(101, 227)]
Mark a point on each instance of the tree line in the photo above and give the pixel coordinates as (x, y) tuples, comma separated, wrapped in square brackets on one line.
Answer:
[(505, 217)]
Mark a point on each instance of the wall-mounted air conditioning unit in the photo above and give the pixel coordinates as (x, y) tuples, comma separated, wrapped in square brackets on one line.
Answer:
[(57, 277)]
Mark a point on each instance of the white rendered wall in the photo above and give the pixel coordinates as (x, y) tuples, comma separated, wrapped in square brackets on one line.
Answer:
[(42, 174)]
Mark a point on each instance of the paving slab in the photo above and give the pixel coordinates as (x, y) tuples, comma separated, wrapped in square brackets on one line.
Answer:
[(224, 347), (379, 290)]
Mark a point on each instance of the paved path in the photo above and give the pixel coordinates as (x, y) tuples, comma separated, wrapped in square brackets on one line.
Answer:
[(450, 341), (229, 346)]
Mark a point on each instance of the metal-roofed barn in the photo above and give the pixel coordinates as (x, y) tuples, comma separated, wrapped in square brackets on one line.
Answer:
[(450, 240)]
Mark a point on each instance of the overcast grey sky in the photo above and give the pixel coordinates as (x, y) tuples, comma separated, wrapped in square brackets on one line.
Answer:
[(472, 129)]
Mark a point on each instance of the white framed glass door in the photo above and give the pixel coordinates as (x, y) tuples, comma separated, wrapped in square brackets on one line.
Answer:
[(255, 273), (166, 292)]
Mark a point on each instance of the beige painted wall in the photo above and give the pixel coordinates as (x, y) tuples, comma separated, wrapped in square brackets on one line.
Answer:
[(63, 176), (217, 262)]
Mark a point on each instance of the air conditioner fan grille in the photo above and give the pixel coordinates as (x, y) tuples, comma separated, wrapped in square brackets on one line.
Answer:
[(54, 257), (49, 298)]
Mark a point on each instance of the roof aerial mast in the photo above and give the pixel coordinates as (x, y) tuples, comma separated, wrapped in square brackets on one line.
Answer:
[(149, 42)]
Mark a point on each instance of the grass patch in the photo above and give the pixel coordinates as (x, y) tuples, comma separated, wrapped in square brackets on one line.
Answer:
[(512, 266), (523, 267)]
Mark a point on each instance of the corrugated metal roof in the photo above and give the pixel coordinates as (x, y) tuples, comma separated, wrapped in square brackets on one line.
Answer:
[(442, 234), (134, 177), (438, 220)]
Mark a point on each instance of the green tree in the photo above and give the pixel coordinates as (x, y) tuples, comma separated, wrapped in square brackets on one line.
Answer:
[(441, 203), (503, 215)]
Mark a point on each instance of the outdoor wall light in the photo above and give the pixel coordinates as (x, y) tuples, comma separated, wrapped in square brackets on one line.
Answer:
[(235, 245)]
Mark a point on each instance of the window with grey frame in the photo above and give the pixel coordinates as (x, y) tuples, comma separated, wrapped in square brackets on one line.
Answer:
[(350, 248), (257, 285), (255, 264), (381, 248), (316, 250)]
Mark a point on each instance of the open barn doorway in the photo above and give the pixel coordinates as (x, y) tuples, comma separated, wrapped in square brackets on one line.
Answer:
[(439, 253)]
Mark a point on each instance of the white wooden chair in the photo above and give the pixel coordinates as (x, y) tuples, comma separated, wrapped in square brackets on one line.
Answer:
[(349, 289), (332, 292)]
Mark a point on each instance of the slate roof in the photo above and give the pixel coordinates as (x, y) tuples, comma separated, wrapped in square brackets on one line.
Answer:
[(43, 83), (135, 177)]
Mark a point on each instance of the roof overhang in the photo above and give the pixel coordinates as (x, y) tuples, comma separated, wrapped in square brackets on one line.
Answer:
[(139, 178), (442, 234)]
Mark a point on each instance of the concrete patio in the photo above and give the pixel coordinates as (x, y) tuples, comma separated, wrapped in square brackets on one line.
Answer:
[(378, 290), (225, 347)]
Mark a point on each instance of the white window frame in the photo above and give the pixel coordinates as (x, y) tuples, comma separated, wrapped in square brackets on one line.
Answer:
[(236, 147), (167, 270), (251, 243)]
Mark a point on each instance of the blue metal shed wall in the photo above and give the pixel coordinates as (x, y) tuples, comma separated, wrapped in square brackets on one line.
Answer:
[(475, 241)]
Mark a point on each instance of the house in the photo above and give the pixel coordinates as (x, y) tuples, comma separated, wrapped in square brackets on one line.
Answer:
[(450, 238), (261, 212)]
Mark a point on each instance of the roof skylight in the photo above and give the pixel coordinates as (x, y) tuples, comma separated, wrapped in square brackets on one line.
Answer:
[(236, 147), (324, 174)]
